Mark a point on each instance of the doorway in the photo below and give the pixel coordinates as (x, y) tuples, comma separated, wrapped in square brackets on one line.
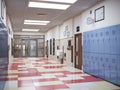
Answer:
[(78, 51), (32, 47), (29, 46)]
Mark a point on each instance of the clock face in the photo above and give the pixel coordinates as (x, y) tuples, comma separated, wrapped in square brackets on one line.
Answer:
[(89, 20), (99, 14)]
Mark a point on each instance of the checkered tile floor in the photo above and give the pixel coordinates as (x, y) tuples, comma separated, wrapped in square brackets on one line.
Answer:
[(43, 74)]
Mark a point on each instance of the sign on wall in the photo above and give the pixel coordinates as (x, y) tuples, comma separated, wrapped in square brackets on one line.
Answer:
[(99, 14), (66, 32)]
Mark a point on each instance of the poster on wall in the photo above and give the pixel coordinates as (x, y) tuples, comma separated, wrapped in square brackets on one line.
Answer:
[(66, 32), (100, 14)]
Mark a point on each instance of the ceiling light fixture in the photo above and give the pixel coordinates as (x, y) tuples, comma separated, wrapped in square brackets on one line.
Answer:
[(31, 30), (36, 22), (61, 1), (48, 5)]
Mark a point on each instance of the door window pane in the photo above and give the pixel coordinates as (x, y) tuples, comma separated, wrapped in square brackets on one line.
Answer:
[(33, 47), (76, 44)]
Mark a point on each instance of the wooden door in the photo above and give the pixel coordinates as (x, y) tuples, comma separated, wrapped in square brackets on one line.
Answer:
[(78, 51)]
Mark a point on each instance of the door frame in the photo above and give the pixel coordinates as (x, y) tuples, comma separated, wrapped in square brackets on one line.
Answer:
[(79, 66)]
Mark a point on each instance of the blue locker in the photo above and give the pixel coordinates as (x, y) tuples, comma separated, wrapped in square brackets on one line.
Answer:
[(96, 63), (92, 62), (118, 47), (84, 44), (101, 41), (113, 77), (112, 45), (107, 73), (114, 58), (118, 77), (92, 41), (115, 41), (107, 41), (84, 35), (96, 41), (115, 30), (96, 44)]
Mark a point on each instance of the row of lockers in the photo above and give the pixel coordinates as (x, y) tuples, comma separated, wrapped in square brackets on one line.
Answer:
[(105, 58), (106, 44), (110, 31), (101, 56), (3, 44), (103, 66), (3, 56)]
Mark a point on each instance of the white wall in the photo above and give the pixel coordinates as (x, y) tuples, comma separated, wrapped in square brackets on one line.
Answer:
[(112, 14), (66, 29), (53, 33), (59, 31)]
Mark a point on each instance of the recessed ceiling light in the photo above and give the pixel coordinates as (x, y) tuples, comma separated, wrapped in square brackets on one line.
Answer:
[(36, 22), (61, 1), (48, 5), (31, 30)]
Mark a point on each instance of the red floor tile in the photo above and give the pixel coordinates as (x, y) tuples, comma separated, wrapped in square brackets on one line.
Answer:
[(45, 80)]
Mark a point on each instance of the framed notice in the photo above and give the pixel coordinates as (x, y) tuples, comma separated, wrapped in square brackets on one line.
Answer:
[(100, 14)]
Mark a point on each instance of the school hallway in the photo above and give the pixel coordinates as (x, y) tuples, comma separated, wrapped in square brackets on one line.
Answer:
[(59, 44)]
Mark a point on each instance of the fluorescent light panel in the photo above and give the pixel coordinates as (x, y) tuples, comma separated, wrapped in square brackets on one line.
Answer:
[(48, 5), (61, 1), (31, 30), (36, 22)]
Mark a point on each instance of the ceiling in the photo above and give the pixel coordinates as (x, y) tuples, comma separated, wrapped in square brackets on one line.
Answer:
[(18, 11)]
